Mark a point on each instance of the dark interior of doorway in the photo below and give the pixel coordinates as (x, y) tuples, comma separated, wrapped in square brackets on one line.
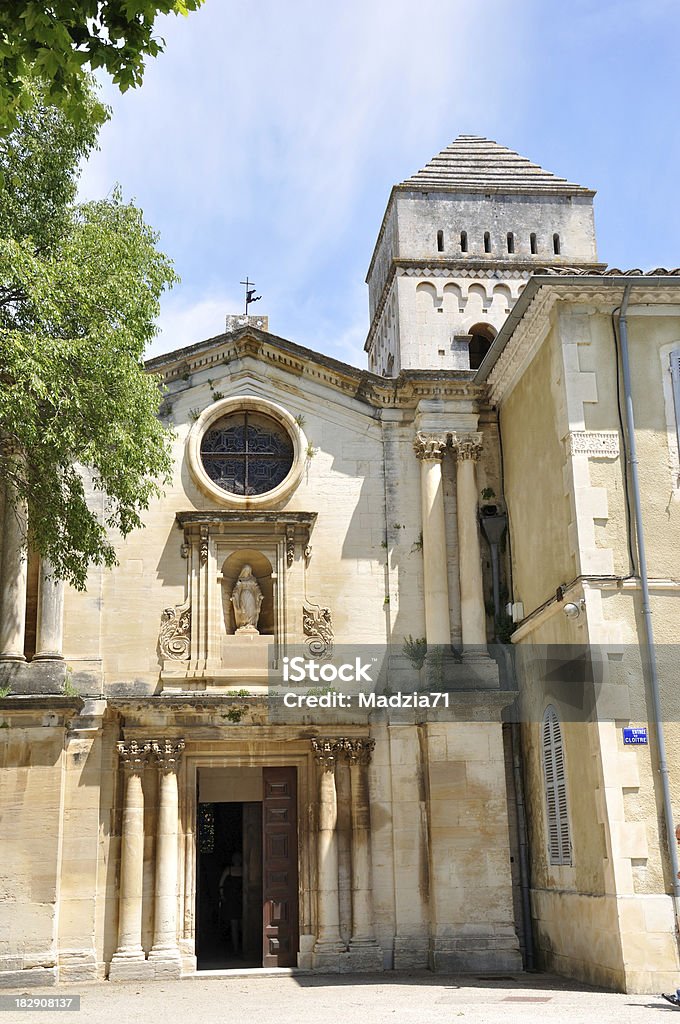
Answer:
[(229, 926)]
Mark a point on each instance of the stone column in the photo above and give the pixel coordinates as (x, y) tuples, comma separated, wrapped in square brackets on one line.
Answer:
[(130, 955), (472, 613), (14, 575), (50, 631), (364, 950), (429, 449), (165, 950), (329, 943)]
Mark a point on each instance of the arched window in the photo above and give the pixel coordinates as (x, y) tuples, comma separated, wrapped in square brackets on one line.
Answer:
[(532, 243), (463, 241), (556, 244), (440, 241), (487, 242), (559, 840), (511, 242), (480, 343)]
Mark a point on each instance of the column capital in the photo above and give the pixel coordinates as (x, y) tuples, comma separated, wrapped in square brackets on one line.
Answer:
[(134, 756), (430, 446), (358, 751), (326, 752), (467, 446), (167, 754)]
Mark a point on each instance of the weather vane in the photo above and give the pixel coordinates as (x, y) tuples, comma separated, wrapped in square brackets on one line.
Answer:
[(250, 293)]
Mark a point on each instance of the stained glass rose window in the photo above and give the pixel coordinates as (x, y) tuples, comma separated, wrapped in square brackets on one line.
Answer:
[(247, 453)]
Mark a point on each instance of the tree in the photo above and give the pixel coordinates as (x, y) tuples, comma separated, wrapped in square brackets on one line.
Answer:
[(56, 40), (79, 294)]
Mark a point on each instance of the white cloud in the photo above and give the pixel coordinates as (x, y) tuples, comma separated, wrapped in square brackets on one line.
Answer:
[(266, 138), (184, 323)]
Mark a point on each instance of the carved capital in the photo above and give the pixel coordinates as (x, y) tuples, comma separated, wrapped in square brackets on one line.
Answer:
[(467, 446), (326, 752), (134, 756), (167, 754), (358, 751), (429, 446)]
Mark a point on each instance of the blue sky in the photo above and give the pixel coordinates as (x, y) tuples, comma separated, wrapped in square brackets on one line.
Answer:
[(265, 140)]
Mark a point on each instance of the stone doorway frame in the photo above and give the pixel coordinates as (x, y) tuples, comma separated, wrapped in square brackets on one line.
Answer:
[(295, 754)]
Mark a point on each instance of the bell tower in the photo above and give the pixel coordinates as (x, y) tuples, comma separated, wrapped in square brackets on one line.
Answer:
[(458, 241)]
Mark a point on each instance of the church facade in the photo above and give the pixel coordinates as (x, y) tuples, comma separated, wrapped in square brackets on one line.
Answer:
[(192, 778)]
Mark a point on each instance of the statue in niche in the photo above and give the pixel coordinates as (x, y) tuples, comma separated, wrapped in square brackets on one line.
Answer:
[(246, 598)]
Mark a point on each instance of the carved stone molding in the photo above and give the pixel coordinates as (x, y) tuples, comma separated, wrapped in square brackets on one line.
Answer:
[(358, 751), (326, 752), (290, 545), (600, 444), (429, 446), (134, 755), (167, 754), (204, 545), (317, 625), (467, 446), (175, 635)]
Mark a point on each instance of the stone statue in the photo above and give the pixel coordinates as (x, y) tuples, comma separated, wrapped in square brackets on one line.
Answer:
[(247, 598)]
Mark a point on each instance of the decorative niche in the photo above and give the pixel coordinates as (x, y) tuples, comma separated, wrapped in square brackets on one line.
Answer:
[(245, 602)]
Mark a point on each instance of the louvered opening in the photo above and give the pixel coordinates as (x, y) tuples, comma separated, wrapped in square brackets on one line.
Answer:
[(559, 839)]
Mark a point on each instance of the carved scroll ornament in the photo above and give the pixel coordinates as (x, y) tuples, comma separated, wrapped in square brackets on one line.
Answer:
[(175, 634), (317, 624)]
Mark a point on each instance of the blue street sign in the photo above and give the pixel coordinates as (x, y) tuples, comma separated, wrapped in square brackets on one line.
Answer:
[(635, 737)]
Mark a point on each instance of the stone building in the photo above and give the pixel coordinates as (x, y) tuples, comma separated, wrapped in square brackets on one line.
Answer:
[(164, 810)]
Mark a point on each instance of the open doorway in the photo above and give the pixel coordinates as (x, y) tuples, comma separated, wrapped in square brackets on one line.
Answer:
[(229, 886), (247, 900)]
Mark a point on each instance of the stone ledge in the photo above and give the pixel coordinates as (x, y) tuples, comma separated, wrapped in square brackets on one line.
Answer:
[(31, 977)]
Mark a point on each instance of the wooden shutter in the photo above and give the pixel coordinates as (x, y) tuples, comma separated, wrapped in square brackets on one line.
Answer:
[(559, 839)]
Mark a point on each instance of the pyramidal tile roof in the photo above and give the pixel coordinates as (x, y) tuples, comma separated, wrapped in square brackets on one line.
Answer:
[(475, 164)]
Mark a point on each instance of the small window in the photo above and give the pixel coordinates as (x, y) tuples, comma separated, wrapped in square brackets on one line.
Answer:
[(532, 243), (463, 241), (675, 377), (487, 242), (440, 241), (556, 244), (559, 840), (481, 337), (511, 242)]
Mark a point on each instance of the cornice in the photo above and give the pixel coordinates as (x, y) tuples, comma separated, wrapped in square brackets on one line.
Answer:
[(526, 340)]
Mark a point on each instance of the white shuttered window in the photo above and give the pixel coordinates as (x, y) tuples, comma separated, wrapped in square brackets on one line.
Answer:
[(675, 377), (559, 840)]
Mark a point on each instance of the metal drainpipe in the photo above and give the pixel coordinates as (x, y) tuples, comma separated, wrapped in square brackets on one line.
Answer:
[(646, 607)]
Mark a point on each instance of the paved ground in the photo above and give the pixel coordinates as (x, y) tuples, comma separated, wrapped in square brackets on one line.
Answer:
[(420, 998)]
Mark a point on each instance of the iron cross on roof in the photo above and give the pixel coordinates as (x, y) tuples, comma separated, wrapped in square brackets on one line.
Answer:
[(250, 293)]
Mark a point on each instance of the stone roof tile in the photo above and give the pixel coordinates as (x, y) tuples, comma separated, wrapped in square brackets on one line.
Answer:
[(475, 164)]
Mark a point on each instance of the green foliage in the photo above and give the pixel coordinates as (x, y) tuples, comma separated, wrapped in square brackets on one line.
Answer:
[(79, 295), (57, 41), (217, 395), (415, 650), (5, 690), (488, 493)]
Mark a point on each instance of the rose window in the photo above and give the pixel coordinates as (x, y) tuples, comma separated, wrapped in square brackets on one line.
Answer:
[(247, 453)]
